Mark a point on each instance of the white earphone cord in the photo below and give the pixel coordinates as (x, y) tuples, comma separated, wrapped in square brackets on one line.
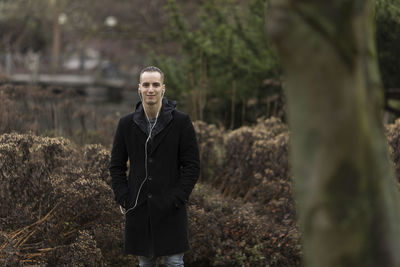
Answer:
[(145, 155)]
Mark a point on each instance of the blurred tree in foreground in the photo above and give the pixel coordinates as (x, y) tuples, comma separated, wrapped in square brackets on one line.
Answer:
[(347, 199), (223, 60)]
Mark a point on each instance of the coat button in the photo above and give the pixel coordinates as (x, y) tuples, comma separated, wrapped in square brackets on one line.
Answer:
[(150, 160), (150, 178), (149, 195)]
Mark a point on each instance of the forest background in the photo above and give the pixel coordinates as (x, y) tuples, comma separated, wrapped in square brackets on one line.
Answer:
[(221, 68), (218, 61)]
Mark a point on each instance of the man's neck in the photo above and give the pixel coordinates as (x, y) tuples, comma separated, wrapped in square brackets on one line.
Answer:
[(151, 110)]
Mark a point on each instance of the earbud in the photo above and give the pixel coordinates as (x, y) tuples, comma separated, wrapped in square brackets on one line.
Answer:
[(140, 94)]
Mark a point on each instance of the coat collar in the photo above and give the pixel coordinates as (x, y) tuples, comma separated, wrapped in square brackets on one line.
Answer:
[(164, 118)]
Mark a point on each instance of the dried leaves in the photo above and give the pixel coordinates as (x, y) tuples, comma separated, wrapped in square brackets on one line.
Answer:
[(226, 232), (57, 206), (393, 138), (54, 196), (211, 148), (254, 169)]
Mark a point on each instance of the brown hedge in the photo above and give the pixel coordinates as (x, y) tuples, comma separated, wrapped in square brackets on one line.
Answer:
[(56, 200), (60, 210), (227, 232), (211, 147), (57, 206)]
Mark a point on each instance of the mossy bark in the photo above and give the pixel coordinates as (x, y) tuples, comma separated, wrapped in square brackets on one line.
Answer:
[(348, 204)]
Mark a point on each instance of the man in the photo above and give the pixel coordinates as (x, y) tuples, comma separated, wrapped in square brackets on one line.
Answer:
[(161, 146)]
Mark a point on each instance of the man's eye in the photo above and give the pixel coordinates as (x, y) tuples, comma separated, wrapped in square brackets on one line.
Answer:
[(146, 85), (156, 84)]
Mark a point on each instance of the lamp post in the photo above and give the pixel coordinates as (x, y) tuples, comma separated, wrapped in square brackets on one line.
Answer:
[(60, 20), (110, 23)]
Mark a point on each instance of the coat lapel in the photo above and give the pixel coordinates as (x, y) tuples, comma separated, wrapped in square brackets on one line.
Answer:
[(140, 120), (156, 140)]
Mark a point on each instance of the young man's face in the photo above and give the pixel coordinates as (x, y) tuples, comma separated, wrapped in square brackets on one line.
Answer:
[(151, 87)]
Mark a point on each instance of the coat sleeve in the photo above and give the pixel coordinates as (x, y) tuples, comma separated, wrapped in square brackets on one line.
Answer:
[(118, 168), (189, 161)]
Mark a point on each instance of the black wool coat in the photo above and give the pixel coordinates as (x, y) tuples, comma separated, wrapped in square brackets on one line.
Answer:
[(158, 224)]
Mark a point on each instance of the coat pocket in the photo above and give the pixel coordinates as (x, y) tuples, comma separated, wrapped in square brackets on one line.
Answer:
[(162, 206)]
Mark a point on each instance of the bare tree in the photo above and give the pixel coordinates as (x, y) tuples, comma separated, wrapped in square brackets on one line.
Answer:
[(348, 203)]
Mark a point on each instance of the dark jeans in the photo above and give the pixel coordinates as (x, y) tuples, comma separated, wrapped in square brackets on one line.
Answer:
[(169, 261)]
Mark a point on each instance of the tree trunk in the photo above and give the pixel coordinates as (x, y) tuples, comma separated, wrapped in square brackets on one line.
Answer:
[(348, 204), (203, 86), (243, 111), (193, 92), (233, 104)]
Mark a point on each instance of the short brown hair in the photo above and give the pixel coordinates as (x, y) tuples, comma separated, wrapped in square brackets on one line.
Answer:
[(152, 69)]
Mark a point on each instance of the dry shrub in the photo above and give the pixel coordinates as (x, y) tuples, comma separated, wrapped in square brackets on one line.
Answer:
[(255, 170), (211, 149), (226, 232), (273, 197), (106, 126), (55, 111), (57, 207), (41, 109), (61, 211), (8, 113), (252, 150), (96, 160), (393, 139), (57, 201), (83, 251), (29, 165)]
